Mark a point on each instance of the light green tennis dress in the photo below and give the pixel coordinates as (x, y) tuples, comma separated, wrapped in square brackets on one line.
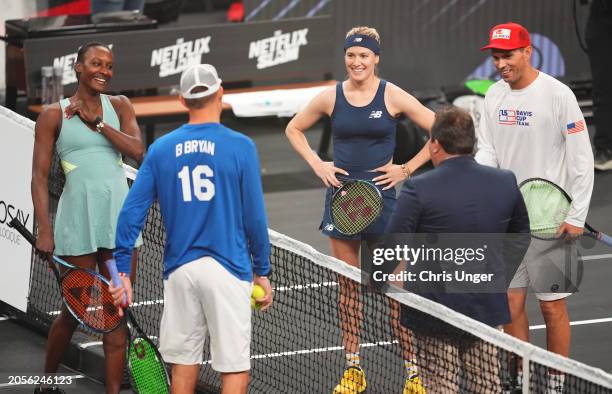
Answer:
[(95, 186)]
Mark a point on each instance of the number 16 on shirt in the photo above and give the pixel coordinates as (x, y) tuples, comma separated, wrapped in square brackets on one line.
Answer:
[(197, 179)]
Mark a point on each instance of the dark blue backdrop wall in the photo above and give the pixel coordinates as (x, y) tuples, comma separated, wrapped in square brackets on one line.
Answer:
[(432, 43)]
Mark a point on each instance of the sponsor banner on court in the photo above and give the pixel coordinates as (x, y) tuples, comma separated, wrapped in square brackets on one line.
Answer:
[(281, 48), (264, 51), (176, 58), (15, 202)]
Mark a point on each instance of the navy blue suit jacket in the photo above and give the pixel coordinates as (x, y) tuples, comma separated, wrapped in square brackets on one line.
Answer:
[(462, 196)]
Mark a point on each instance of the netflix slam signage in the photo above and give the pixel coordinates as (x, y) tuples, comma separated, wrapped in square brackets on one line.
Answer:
[(143, 59)]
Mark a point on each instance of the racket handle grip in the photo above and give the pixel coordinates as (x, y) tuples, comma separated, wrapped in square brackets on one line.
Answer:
[(16, 224), (605, 239), (112, 269)]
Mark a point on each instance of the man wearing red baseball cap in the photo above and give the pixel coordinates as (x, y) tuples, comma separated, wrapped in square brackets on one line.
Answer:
[(511, 46), (532, 125), (508, 36)]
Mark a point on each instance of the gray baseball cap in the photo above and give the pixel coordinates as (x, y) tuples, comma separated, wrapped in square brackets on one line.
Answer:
[(199, 75)]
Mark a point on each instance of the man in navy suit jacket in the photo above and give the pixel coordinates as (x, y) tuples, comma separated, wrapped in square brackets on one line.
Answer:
[(461, 196)]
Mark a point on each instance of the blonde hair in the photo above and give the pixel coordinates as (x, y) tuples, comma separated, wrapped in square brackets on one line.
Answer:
[(366, 31)]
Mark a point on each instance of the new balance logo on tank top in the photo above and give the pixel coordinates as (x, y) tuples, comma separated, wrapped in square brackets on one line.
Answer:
[(363, 137)]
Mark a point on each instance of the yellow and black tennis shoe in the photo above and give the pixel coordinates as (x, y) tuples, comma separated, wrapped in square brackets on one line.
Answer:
[(353, 382), (414, 386)]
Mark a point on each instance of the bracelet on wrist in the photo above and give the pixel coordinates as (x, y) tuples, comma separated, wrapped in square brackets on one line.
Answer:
[(406, 171)]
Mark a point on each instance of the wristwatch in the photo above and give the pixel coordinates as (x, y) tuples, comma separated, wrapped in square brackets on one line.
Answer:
[(99, 124)]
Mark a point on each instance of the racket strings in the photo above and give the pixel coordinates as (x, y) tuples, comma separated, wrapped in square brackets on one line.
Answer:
[(147, 371), (547, 207), (89, 299), (355, 207)]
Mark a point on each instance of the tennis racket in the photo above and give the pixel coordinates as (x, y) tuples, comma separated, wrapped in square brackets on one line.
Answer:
[(548, 205), (84, 291), (148, 372), (355, 205)]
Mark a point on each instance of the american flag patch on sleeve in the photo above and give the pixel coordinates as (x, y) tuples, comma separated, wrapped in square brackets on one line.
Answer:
[(575, 127)]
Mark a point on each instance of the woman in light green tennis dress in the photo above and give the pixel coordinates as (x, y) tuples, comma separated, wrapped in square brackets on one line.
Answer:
[(95, 186), (91, 132)]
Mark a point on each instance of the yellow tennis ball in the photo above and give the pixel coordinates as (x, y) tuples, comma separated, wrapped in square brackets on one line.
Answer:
[(258, 292)]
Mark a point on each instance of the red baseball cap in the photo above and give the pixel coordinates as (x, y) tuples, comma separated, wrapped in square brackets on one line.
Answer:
[(508, 36)]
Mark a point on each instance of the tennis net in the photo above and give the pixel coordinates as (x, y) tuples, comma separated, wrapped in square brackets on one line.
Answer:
[(298, 344)]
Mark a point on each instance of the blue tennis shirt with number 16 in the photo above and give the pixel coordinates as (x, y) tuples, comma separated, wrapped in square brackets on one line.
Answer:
[(207, 180)]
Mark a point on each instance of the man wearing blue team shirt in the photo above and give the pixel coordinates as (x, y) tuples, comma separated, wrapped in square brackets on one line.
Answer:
[(207, 180)]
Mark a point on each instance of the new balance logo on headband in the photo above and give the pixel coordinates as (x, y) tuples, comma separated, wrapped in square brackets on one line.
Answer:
[(362, 40), (375, 115)]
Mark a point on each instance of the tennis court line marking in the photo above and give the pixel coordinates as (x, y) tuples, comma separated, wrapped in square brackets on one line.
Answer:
[(319, 285), (576, 323), (394, 342), (597, 257), (282, 288), (316, 350), (143, 303), (17, 385), (306, 286), (86, 345), (386, 343)]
